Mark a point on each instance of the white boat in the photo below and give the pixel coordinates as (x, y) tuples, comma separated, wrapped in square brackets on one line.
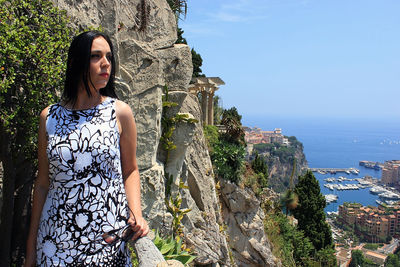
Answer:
[(391, 202), (345, 187), (377, 190), (380, 202), (330, 198), (389, 195), (364, 183), (330, 186)]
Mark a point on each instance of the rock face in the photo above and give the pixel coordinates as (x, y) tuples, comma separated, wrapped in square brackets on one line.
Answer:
[(280, 169), (244, 220), (144, 33)]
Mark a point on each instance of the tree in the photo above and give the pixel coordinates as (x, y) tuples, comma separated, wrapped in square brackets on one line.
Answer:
[(326, 257), (392, 260), (218, 110), (233, 126), (261, 169), (33, 46), (290, 199), (299, 245), (181, 39), (229, 152), (179, 7), (310, 212), (228, 160), (357, 258), (197, 63)]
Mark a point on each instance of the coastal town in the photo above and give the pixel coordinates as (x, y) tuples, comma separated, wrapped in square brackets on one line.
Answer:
[(357, 227), (257, 136), (374, 230)]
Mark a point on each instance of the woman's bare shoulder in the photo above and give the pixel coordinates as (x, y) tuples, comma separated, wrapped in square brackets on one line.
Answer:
[(123, 110), (44, 113)]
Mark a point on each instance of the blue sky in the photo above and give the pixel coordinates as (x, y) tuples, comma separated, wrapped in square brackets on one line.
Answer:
[(301, 58)]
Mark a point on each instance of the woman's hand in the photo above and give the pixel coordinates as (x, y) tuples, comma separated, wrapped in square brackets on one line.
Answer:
[(139, 226)]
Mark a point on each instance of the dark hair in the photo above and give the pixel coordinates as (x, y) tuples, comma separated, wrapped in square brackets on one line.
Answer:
[(78, 65)]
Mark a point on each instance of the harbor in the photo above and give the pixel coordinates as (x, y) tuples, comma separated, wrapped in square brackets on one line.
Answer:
[(349, 187)]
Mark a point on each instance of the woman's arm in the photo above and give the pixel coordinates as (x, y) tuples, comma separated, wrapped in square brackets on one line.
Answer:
[(41, 187), (130, 170)]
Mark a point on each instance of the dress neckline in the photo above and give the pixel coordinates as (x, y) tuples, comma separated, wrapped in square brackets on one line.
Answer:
[(104, 102)]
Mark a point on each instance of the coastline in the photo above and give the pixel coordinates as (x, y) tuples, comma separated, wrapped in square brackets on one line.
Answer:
[(336, 143)]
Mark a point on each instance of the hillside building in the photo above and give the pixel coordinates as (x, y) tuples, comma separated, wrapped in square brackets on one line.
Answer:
[(391, 173), (206, 86), (375, 223), (257, 136)]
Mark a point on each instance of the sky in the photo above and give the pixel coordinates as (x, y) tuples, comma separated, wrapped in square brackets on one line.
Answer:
[(301, 58)]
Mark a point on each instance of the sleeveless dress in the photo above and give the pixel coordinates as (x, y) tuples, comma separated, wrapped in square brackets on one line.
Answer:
[(86, 197)]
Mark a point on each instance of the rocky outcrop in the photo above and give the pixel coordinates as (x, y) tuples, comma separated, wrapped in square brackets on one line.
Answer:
[(202, 225), (148, 255), (244, 217), (280, 165)]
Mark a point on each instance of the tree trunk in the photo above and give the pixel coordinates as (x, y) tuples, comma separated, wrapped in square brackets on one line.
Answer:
[(22, 210), (7, 211), (15, 211)]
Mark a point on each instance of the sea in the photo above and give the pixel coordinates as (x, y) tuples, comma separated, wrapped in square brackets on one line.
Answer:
[(339, 143)]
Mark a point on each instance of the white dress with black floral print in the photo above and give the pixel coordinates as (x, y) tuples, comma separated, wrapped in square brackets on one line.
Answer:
[(86, 197)]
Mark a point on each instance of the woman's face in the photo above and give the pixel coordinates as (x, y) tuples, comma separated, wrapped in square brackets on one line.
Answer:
[(100, 64)]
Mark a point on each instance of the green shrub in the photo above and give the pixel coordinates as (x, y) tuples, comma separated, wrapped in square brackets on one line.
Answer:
[(211, 135), (251, 181), (228, 160), (261, 169), (173, 249), (33, 49), (372, 246)]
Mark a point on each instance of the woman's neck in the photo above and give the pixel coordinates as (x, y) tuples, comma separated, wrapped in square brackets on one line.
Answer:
[(83, 101)]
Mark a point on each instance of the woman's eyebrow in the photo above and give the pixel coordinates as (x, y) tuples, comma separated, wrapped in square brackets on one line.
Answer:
[(99, 51)]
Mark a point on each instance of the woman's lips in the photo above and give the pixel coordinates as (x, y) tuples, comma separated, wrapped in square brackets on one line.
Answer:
[(105, 75)]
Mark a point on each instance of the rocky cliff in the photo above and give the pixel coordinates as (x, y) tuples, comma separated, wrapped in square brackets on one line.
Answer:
[(144, 33), (280, 160)]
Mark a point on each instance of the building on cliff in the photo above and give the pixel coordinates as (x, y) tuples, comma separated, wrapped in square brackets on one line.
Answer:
[(257, 136), (391, 172), (374, 223), (206, 86)]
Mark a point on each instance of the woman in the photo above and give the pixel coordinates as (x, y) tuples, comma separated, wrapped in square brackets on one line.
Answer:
[(87, 194)]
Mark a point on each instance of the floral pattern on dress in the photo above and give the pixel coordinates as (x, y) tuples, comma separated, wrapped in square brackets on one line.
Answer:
[(86, 196)]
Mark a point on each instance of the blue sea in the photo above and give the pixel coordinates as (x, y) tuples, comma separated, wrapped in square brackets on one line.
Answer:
[(340, 143)]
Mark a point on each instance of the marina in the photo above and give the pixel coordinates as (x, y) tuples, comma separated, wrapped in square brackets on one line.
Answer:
[(335, 170), (342, 187), (380, 194)]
